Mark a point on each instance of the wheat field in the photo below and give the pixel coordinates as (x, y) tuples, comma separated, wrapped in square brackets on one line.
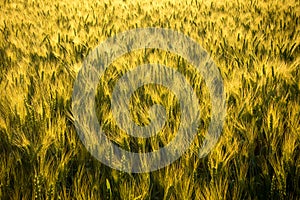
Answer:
[(255, 44)]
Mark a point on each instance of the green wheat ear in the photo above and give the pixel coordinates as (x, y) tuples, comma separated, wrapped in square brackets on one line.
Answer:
[(38, 187)]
